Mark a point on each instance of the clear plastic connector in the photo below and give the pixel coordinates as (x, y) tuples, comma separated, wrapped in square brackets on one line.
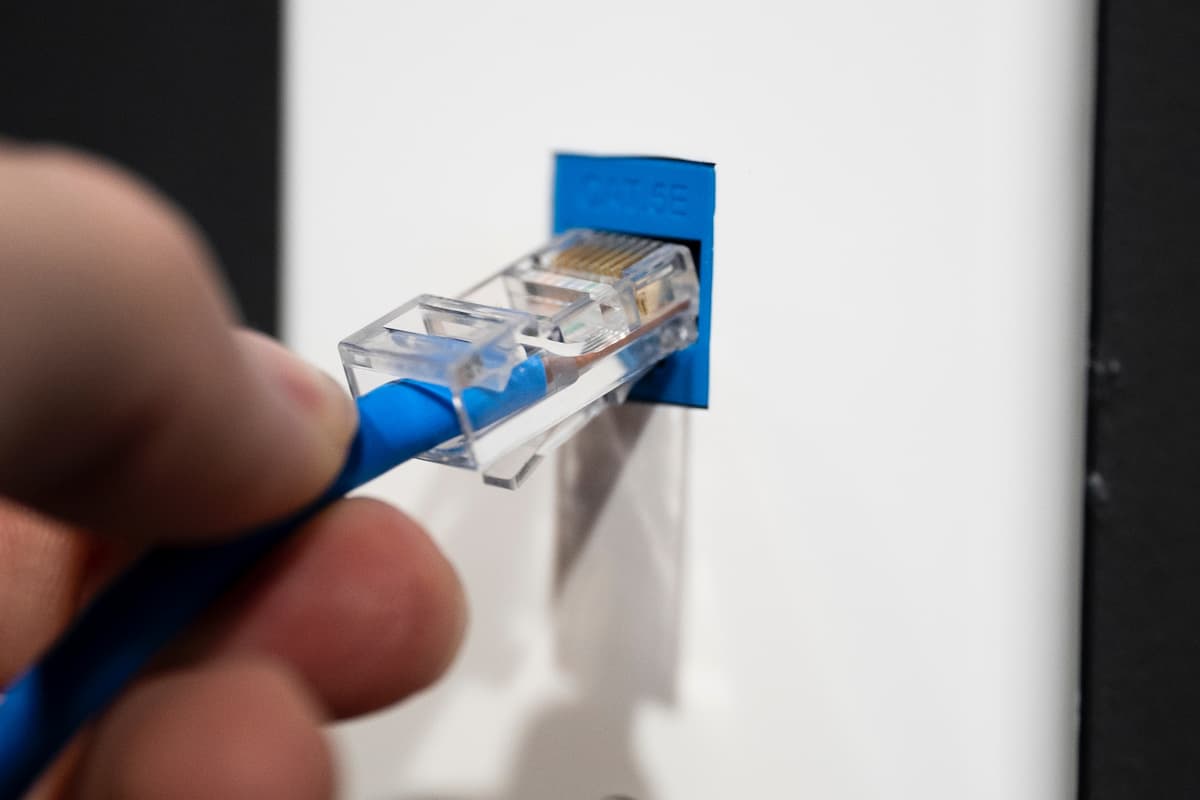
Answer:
[(597, 309)]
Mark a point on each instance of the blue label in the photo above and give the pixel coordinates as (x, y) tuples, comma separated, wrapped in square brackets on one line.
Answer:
[(657, 197)]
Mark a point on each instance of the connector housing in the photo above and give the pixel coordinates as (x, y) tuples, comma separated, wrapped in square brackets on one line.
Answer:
[(598, 309)]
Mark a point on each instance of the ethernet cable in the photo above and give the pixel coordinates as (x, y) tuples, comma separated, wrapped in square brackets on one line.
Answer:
[(491, 380)]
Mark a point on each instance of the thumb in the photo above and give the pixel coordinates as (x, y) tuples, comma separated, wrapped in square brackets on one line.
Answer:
[(130, 404)]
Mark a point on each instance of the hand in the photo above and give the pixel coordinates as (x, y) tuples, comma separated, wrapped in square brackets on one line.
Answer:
[(134, 412)]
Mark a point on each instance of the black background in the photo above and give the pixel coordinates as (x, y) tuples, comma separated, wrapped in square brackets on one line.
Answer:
[(186, 93), (1141, 693)]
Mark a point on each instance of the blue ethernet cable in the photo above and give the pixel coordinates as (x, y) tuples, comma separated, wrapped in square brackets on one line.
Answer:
[(161, 594)]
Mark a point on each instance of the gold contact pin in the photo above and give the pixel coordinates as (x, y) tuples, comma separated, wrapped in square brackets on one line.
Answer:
[(607, 256)]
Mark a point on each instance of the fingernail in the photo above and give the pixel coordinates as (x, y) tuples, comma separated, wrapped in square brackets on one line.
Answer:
[(316, 394)]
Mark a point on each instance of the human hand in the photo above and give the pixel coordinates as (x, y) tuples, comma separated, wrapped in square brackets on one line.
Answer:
[(134, 412)]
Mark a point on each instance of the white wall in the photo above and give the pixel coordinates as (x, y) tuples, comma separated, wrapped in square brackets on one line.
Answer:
[(855, 576)]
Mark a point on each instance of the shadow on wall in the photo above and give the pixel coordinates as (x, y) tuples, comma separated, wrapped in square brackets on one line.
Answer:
[(620, 526)]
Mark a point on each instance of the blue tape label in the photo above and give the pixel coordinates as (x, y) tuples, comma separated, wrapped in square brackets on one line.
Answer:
[(657, 197)]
